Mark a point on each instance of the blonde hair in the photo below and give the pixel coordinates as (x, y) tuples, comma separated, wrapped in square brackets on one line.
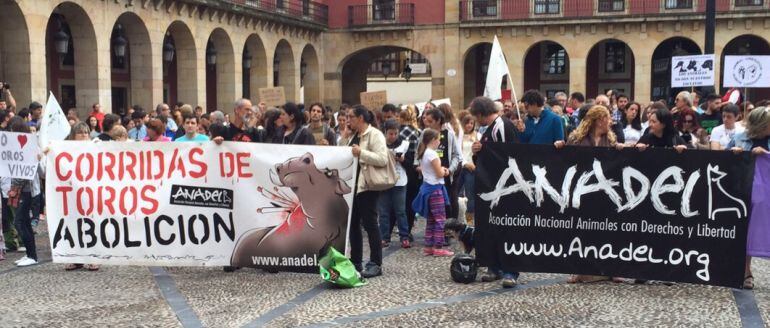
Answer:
[(686, 96), (118, 132), (757, 122), (408, 116), (594, 114)]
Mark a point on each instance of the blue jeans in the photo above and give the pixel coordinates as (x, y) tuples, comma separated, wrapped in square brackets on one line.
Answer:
[(393, 200), (468, 180)]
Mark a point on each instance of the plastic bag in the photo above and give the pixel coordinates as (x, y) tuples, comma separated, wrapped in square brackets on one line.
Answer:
[(337, 269)]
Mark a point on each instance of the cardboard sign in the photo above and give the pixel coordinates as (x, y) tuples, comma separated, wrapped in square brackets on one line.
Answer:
[(19, 155), (374, 100), (692, 71), (272, 96), (747, 71)]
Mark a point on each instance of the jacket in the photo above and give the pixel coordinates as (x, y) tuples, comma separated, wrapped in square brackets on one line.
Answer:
[(421, 205), (374, 152), (742, 140)]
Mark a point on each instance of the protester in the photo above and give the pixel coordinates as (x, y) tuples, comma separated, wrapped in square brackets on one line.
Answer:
[(8, 103), (431, 201), (662, 132), (171, 127), (683, 101), (723, 134), (293, 131), (688, 126), (96, 111), (576, 100), (543, 126), (322, 133), (95, 128), (20, 198), (155, 131), (272, 124), (447, 152), (712, 116), (393, 200), (467, 176), (622, 102), (632, 123), (139, 131), (109, 121), (36, 113), (118, 133), (410, 132), (191, 131), (498, 129), (756, 139), (369, 148), (452, 125)]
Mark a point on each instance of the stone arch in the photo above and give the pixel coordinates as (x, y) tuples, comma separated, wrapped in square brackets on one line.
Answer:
[(311, 77), (73, 77), (546, 68), (256, 76), (661, 66), (475, 64), (610, 64), (354, 70), (285, 74), (220, 77), (15, 65), (138, 62), (180, 74), (746, 44)]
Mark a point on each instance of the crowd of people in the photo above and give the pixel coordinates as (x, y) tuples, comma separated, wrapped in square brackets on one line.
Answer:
[(434, 149)]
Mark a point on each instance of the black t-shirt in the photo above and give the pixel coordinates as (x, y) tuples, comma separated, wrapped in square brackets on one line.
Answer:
[(236, 134), (762, 143), (651, 140), (710, 121), (104, 137)]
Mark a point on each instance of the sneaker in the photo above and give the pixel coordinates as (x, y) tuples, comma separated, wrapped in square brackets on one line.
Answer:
[(490, 276), (427, 251), (406, 244), (21, 259), (508, 281), (442, 252), (26, 262), (372, 270)]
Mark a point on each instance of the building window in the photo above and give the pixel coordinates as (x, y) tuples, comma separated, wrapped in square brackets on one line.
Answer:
[(279, 4), (678, 4), (384, 9), (615, 57), (485, 8), (389, 59), (547, 6), (555, 61), (747, 3), (611, 5), (306, 7)]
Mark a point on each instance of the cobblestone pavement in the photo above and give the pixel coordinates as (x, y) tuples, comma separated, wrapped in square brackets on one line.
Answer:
[(415, 291)]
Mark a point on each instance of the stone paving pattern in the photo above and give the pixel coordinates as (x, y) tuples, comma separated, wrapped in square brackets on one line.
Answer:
[(47, 296)]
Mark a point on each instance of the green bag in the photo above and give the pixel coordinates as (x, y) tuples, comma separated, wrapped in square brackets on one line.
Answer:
[(337, 269)]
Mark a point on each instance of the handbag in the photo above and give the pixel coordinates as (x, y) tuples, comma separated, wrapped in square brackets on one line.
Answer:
[(380, 178)]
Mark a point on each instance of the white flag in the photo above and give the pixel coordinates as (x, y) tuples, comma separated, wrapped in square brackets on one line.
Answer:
[(498, 68), (54, 125)]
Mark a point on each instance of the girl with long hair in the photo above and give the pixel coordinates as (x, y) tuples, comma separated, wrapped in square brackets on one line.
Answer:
[(431, 201)]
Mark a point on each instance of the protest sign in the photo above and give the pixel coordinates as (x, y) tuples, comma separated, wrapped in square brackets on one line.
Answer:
[(18, 155), (187, 204), (746, 71), (374, 100), (655, 215), (272, 96), (692, 71)]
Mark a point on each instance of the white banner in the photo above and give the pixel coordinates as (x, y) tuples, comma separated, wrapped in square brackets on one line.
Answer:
[(498, 68), (189, 204), (692, 71), (747, 72), (18, 155)]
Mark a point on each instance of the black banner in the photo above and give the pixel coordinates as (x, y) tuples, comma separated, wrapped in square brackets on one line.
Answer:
[(655, 215)]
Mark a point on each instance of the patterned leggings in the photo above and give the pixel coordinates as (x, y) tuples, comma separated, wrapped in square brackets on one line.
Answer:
[(434, 229)]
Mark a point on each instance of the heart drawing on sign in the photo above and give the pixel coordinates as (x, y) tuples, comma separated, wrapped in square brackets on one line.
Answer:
[(22, 140)]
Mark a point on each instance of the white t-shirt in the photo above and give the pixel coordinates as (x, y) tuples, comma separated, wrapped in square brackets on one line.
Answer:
[(632, 135), (723, 136), (428, 174)]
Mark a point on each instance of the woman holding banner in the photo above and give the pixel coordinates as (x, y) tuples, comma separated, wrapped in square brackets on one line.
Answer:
[(594, 131), (20, 200), (662, 132), (756, 139)]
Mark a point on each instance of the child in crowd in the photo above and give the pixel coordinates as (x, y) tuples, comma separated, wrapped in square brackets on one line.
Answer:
[(433, 195)]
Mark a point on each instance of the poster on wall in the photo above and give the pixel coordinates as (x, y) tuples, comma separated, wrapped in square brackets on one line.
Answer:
[(747, 72), (189, 204), (692, 71)]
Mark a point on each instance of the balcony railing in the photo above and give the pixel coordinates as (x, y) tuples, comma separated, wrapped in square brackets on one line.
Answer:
[(377, 15), (306, 10), (485, 10)]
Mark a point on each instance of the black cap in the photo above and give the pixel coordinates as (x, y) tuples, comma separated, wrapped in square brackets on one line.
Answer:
[(35, 105)]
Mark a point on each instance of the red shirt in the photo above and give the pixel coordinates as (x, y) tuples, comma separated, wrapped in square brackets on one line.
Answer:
[(99, 118)]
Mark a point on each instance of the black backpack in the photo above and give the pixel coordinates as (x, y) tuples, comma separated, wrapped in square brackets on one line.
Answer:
[(464, 268)]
